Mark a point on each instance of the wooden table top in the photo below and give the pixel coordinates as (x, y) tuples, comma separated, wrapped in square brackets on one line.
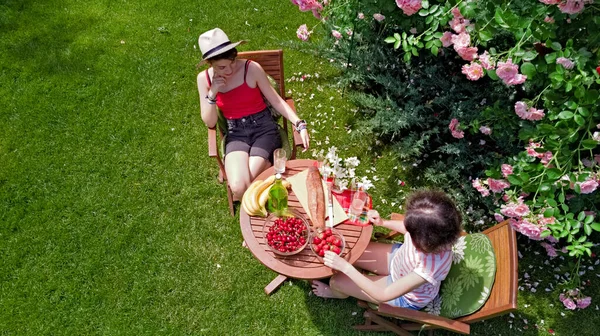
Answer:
[(304, 265)]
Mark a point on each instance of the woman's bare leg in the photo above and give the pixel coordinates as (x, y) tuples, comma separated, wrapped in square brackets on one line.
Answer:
[(375, 259), (257, 165), (341, 286), (238, 175)]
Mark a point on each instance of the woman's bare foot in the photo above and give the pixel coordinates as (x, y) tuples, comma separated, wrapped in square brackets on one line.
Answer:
[(320, 289)]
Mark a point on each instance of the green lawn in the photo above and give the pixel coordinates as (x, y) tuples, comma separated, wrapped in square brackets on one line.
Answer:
[(111, 220)]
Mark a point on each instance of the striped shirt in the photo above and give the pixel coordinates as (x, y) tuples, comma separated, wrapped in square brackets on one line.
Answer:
[(431, 267)]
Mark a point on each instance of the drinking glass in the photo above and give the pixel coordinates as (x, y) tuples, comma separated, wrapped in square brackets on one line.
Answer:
[(279, 159), (358, 203)]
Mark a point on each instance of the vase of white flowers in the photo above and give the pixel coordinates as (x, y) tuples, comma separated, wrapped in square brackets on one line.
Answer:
[(339, 171)]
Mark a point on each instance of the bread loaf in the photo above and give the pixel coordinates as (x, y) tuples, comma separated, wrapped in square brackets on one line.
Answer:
[(316, 197)]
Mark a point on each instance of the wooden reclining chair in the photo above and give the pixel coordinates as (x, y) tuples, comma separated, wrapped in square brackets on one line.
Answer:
[(502, 299), (272, 62)]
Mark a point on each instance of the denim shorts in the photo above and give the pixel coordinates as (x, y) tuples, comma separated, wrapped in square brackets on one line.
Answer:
[(256, 134), (399, 301)]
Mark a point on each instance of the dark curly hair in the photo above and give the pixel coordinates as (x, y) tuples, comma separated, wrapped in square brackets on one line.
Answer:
[(433, 221), (229, 55)]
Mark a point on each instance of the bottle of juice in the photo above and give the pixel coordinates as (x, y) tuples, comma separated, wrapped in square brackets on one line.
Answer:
[(278, 197)]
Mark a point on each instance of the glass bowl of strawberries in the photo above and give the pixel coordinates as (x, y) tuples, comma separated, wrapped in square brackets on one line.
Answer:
[(328, 239), (286, 234)]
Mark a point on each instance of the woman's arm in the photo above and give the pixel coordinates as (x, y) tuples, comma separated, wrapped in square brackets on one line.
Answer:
[(207, 109), (256, 73), (381, 294), (396, 225)]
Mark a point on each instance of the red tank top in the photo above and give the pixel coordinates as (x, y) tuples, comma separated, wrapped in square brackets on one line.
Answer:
[(241, 101)]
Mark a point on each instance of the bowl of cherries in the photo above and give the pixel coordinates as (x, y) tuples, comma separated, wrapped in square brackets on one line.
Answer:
[(286, 234), (328, 239)]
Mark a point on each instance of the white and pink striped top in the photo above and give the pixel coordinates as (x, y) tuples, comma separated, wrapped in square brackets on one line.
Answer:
[(431, 267)]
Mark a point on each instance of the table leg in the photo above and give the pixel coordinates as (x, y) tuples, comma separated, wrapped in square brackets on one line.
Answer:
[(273, 285)]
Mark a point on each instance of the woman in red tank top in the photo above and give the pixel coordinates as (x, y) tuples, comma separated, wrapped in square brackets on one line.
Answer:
[(237, 88)]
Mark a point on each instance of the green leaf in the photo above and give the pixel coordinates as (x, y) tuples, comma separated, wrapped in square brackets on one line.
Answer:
[(415, 51), (423, 12), (545, 234), (390, 39), (561, 197), (584, 111), (591, 96), (565, 115), (545, 187), (528, 69), (425, 4), (550, 58), (429, 44), (492, 74), (568, 87), (556, 46), (549, 213), (485, 35), (589, 219), (438, 35), (579, 120), (589, 143), (596, 227), (407, 57), (580, 92), (554, 173), (427, 37), (556, 76), (587, 229), (581, 216), (499, 19), (434, 50), (397, 44), (551, 202), (514, 180), (530, 55)]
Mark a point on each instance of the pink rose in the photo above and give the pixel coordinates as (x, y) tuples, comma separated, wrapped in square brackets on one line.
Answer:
[(461, 40), (485, 60), (303, 32), (409, 7), (456, 12), (549, 19), (526, 228), (485, 130), (474, 71), (535, 114), (378, 17), (584, 302), (589, 186), (571, 6), (454, 129), (565, 62), (569, 304), (446, 39), (361, 16), (562, 297), (497, 186), (521, 109), (506, 169), (550, 2), (468, 54), (336, 34), (498, 217), (546, 157), (509, 73), (480, 187), (349, 32)]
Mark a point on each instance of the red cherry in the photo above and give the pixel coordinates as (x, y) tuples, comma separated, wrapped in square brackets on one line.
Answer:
[(316, 240), (598, 70), (321, 253), (330, 239), (328, 232), (326, 247), (336, 250)]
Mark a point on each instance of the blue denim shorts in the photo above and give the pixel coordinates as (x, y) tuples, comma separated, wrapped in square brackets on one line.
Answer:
[(399, 301), (256, 134)]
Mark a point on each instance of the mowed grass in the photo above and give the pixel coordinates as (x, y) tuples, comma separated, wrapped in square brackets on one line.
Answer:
[(111, 220)]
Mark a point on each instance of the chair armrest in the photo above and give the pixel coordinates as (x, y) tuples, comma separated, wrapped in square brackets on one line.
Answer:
[(213, 149)]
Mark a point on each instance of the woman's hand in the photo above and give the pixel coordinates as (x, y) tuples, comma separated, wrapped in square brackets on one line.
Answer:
[(305, 139), (336, 262), (374, 218), (217, 83)]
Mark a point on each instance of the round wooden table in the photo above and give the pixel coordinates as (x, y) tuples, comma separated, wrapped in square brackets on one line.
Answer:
[(304, 265)]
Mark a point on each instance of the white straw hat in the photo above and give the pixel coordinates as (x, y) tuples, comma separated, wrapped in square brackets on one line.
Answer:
[(215, 42)]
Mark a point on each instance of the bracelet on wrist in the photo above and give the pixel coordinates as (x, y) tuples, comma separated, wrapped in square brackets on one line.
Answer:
[(211, 101), (300, 125)]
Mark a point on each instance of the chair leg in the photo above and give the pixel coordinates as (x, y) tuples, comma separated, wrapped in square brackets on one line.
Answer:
[(388, 325), (221, 177)]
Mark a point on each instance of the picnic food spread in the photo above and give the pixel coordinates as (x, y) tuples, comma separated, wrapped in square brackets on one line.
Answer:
[(256, 196), (286, 234), (316, 197)]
